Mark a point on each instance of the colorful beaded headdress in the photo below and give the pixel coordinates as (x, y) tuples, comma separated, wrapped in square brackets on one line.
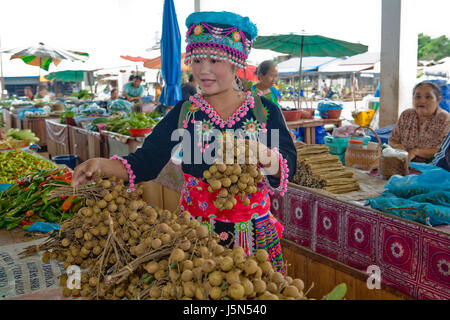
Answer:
[(220, 35)]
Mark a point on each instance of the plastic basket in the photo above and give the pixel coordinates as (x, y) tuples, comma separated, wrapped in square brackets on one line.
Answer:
[(338, 146), (364, 118), (330, 114), (69, 160), (364, 159)]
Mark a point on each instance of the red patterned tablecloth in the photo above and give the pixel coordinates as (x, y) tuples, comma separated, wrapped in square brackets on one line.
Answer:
[(413, 258)]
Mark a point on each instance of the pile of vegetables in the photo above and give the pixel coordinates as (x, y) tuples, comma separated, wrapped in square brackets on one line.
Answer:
[(83, 94), (135, 120), (27, 201), (66, 114), (128, 250), (18, 164), (16, 138), (232, 178)]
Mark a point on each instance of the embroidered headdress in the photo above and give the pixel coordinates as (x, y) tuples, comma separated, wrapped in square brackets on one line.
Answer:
[(220, 35)]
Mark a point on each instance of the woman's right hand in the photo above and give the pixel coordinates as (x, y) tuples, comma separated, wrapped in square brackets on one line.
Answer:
[(84, 172)]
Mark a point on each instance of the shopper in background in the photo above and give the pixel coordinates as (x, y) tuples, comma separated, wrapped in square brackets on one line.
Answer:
[(189, 88), (133, 91), (42, 93), (29, 93), (158, 90), (268, 76), (421, 130)]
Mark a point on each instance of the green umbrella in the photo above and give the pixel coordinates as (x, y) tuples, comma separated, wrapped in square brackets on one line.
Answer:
[(67, 75), (42, 55), (305, 45)]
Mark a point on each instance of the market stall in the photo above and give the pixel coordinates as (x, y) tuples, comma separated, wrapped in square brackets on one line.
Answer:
[(38, 126), (57, 137)]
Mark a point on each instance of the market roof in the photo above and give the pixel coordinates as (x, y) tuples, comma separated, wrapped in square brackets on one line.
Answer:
[(369, 58), (291, 66), (361, 62)]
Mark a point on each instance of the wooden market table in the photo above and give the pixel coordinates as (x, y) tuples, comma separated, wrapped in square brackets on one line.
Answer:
[(310, 127), (119, 144), (324, 237)]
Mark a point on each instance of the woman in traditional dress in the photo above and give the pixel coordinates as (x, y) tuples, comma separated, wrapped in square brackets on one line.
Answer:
[(218, 43)]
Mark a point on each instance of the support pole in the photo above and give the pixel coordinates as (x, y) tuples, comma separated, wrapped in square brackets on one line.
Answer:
[(398, 66), (197, 5), (300, 74)]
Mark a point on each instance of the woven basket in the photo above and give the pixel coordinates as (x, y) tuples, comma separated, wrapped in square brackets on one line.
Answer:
[(364, 159)]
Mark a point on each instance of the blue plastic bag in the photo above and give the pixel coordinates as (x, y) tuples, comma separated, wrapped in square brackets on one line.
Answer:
[(432, 179), (424, 198), (44, 227)]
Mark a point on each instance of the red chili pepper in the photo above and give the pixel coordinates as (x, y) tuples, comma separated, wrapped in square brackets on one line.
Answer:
[(64, 197), (44, 182), (53, 177), (30, 213), (67, 203), (25, 223)]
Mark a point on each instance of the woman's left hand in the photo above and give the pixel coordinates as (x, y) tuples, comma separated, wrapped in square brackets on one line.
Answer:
[(266, 158), (411, 154)]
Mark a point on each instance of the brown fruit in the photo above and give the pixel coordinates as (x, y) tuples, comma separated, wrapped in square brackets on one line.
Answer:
[(67, 292), (215, 293), (215, 278), (259, 286), (291, 291), (208, 266), (152, 267), (299, 284), (187, 275), (236, 291), (93, 281), (156, 243)]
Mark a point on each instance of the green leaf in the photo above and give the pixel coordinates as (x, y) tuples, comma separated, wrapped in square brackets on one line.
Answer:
[(338, 293)]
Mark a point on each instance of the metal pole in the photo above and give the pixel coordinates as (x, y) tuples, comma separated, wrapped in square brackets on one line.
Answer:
[(300, 73), (197, 5), (2, 79)]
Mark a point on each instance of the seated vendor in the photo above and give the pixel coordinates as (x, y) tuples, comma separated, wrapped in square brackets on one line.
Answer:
[(133, 91), (116, 105), (421, 130), (28, 92), (267, 75)]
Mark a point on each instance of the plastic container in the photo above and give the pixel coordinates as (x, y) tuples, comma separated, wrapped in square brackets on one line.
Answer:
[(140, 132), (69, 160), (330, 114), (308, 113), (292, 115), (364, 118), (338, 146), (353, 143)]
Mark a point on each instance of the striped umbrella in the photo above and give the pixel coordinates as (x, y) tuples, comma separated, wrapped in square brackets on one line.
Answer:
[(43, 55)]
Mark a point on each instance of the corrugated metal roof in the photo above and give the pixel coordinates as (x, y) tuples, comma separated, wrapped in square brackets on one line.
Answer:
[(292, 65)]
